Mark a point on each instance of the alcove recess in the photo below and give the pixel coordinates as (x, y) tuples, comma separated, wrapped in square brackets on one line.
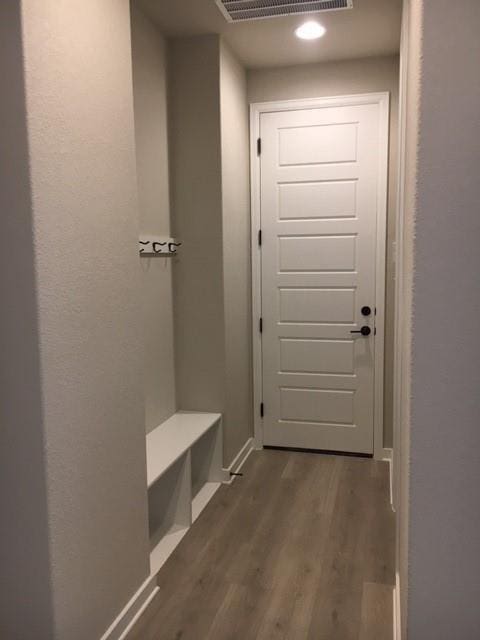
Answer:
[(184, 470)]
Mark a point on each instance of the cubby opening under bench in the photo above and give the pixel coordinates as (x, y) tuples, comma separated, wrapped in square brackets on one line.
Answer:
[(184, 470)]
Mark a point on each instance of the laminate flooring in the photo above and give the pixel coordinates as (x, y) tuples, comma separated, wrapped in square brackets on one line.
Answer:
[(301, 547)]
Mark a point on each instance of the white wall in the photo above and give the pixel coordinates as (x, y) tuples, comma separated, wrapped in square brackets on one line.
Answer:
[(343, 78), (25, 596), (149, 53), (194, 109), (236, 250), (74, 417), (443, 384), (411, 74), (209, 165)]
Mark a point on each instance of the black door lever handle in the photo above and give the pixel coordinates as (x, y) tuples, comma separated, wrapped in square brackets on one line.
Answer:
[(365, 331)]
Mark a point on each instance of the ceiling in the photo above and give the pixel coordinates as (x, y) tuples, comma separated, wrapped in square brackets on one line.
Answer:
[(371, 28)]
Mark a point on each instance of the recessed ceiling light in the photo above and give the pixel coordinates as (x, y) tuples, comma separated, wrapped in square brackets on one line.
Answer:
[(310, 31)]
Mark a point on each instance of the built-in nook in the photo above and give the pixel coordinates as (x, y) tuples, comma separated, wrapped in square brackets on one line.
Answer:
[(184, 469), (191, 128)]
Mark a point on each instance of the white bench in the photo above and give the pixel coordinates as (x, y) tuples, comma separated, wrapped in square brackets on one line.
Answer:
[(184, 470)]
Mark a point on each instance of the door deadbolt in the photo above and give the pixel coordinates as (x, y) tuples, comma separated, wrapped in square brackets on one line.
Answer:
[(366, 311)]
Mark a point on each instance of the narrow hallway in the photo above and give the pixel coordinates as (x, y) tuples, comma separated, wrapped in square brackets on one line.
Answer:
[(300, 547)]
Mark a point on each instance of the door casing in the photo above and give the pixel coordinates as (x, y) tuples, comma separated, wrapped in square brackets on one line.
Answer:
[(256, 110)]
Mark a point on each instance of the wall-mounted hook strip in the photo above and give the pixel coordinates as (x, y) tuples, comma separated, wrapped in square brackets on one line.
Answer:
[(154, 246)]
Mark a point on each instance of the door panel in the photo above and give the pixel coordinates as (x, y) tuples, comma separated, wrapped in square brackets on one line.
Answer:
[(316, 305), (316, 356), (311, 405), (317, 253), (317, 144), (319, 177), (301, 200)]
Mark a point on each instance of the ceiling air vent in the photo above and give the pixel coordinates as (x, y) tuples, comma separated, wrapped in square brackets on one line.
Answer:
[(239, 10)]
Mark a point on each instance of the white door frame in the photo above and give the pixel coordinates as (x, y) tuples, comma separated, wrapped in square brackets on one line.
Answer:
[(256, 109)]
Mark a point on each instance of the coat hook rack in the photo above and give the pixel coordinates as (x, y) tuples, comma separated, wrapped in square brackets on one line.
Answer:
[(158, 246)]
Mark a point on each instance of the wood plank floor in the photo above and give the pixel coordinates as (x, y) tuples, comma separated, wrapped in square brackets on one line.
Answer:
[(299, 548)]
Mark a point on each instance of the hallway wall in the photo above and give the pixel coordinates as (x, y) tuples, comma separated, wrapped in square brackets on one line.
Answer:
[(149, 62), (236, 250), (345, 78), (209, 165), (24, 558), (206, 288), (411, 74), (73, 480), (443, 399), (194, 109)]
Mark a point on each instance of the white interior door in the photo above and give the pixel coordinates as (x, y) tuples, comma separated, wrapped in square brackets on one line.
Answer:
[(319, 172)]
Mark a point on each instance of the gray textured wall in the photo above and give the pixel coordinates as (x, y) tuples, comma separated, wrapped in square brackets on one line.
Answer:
[(26, 607), (444, 525), (194, 108), (411, 73), (236, 251), (209, 167), (149, 61), (75, 379)]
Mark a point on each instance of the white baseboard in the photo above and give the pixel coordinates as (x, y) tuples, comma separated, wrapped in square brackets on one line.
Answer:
[(397, 620), (238, 461), (387, 454), (258, 443), (122, 625)]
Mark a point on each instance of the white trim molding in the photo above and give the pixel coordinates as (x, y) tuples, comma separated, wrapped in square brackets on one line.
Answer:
[(387, 454), (399, 344), (388, 457), (256, 110), (123, 624), (397, 618), (238, 461), (382, 209)]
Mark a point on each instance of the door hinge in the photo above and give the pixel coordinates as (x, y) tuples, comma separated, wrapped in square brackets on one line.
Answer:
[(259, 146), (261, 325), (259, 237), (262, 410)]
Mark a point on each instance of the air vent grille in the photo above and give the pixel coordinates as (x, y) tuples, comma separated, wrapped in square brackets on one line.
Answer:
[(240, 10)]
